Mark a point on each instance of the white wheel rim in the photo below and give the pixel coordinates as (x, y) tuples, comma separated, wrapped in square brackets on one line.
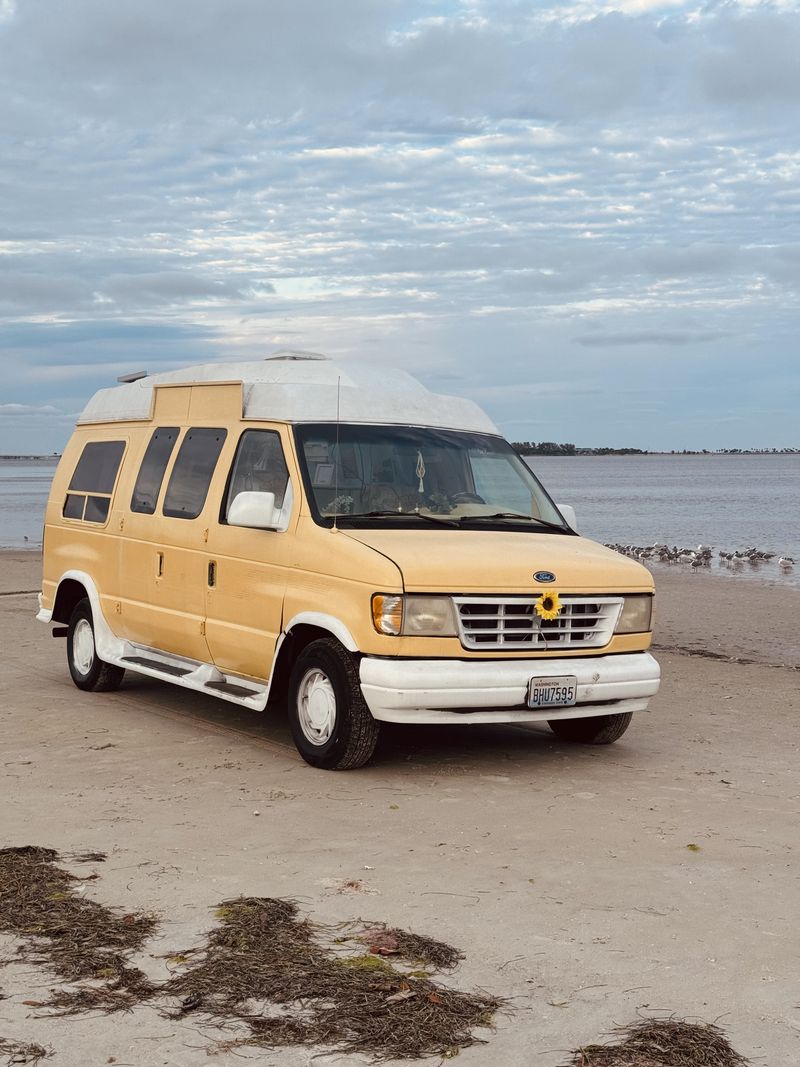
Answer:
[(83, 646), (316, 706)]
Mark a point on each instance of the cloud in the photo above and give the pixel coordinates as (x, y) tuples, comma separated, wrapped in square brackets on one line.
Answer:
[(482, 190), (357, 60), (102, 334), (171, 287), (11, 410), (29, 292), (650, 337)]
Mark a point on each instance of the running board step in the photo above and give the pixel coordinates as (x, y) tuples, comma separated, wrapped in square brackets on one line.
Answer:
[(232, 688), (156, 665), (202, 677)]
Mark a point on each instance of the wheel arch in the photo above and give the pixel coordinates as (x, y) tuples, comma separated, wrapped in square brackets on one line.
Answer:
[(302, 630), (73, 587)]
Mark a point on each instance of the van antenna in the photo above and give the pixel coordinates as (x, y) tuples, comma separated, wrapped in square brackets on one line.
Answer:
[(336, 457)]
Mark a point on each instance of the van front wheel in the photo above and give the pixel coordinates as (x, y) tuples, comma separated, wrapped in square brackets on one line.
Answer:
[(597, 730), (88, 671), (331, 724)]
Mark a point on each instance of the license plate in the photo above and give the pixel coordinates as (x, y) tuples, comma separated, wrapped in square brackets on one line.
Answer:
[(561, 692)]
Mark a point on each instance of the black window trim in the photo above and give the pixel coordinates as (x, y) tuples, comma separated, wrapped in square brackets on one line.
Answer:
[(97, 489), (85, 494), (179, 431), (223, 505), (354, 522), (187, 430)]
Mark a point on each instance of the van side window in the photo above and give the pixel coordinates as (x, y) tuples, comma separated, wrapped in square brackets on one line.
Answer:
[(191, 475), (259, 467), (151, 472), (92, 483)]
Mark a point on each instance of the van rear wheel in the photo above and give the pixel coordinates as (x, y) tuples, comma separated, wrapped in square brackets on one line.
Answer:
[(597, 730), (331, 724), (88, 671)]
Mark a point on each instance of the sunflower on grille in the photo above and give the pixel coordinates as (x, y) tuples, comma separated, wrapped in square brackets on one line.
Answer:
[(548, 606)]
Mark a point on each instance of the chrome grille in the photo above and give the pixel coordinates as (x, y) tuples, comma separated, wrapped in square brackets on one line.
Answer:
[(512, 624)]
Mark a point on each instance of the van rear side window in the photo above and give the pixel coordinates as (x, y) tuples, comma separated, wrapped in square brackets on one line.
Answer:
[(89, 491), (151, 472), (191, 475)]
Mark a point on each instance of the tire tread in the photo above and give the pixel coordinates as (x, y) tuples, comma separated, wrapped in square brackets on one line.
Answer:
[(103, 677), (597, 730), (362, 737)]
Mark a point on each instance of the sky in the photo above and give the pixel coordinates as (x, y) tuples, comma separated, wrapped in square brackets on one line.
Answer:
[(584, 216)]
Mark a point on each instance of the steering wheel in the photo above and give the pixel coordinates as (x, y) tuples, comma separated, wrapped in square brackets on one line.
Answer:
[(466, 498)]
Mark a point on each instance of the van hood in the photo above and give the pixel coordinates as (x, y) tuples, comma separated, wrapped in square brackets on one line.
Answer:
[(503, 561)]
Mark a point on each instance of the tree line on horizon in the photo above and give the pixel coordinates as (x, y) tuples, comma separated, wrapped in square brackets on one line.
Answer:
[(553, 448)]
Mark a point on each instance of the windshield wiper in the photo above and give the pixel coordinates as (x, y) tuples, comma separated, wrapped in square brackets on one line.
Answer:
[(389, 514), (514, 515)]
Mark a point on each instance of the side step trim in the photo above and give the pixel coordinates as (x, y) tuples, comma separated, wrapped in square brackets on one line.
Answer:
[(191, 674), (164, 668), (231, 687)]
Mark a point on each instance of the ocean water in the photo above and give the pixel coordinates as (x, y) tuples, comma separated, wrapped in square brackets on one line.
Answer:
[(728, 502), (24, 485)]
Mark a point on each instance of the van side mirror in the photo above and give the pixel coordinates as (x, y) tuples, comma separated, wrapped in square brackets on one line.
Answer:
[(254, 510), (568, 511)]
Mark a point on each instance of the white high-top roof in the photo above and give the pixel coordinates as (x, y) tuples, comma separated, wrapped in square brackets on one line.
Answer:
[(303, 387)]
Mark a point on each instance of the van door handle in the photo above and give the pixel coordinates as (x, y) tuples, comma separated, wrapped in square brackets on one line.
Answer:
[(212, 572), (159, 564)]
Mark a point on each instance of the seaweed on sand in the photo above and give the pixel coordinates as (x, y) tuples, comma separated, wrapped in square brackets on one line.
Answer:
[(274, 977), (389, 941), (662, 1043), (265, 967), (23, 1051), (82, 941)]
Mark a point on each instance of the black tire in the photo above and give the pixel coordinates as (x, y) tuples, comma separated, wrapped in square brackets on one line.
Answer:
[(88, 671), (340, 734), (598, 730)]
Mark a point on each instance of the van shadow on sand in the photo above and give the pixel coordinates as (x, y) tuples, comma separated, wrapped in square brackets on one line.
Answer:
[(399, 746)]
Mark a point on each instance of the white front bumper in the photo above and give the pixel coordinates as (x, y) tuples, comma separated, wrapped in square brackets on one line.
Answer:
[(485, 691)]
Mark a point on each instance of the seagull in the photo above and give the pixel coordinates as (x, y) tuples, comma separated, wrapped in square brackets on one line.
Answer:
[(786, 563)]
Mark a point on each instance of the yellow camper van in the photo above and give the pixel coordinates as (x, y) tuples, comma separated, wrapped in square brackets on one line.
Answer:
[(342, 542)]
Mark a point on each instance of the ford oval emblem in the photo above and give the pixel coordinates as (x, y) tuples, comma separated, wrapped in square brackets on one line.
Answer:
[(544, 576)]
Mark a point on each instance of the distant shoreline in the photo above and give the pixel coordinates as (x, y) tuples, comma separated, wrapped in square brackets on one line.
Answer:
[(569, 452), (559, 451)]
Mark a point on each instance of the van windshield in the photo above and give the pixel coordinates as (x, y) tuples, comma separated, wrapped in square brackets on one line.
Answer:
[(366, 475)]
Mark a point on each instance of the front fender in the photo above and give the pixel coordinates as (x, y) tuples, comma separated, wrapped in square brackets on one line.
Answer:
[(321, 621)]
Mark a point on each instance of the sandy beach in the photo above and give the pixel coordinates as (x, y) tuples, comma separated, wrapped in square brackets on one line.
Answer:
[(563, 873)]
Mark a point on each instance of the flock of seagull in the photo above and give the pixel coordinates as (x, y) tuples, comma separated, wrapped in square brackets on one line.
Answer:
[(702, 556)]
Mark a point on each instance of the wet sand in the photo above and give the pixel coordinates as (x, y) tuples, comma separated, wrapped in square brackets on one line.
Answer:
[(562, 872)]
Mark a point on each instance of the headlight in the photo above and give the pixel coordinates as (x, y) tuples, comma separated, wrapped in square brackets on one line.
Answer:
[(387, 614), (636, 616), (413, 616), (428, 616)]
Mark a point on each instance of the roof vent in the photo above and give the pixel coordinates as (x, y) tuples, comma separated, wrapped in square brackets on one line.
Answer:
[(134, 376), (295, 354)]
